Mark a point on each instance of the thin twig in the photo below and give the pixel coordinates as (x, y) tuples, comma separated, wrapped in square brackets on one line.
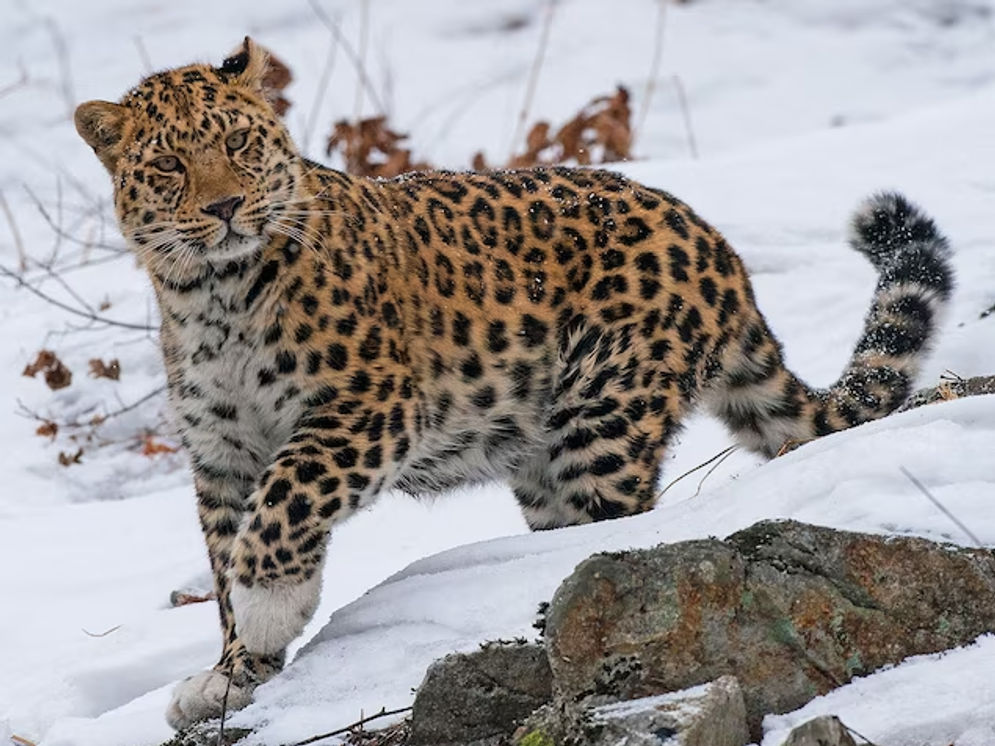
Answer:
[(65, 234), (319, 98), (65, 68), (352, 726), (335, 28), (67, 287), (24, 411), (22, 741), (22, 256), (865, 739), (530, 89), (143, 54), (22, 80), (682, 101), (942, 508), (6, 271), (720, 455), (661, 24), (101, 634), (712, 470), (364, 36), (224, 711)]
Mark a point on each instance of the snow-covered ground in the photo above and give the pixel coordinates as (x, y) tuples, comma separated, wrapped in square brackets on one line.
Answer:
[(799, 108)]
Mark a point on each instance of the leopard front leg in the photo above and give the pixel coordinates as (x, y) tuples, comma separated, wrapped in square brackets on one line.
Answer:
[(331, 466), (221, 504)]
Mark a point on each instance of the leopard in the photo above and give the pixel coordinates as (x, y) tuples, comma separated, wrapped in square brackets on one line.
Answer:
[(328, 337)]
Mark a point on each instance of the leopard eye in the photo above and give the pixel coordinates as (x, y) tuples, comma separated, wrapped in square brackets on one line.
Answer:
[(167, 163), (236, 140)]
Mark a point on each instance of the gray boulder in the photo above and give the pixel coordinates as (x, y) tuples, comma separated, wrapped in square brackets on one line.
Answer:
[(791, 610), (480, 697)]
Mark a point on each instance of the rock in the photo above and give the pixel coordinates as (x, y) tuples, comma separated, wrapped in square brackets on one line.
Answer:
[(821, 731), (708, 715), (206, 734), (791, 610), (480, 697)]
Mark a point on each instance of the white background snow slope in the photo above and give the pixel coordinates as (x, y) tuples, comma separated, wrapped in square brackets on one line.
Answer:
[(799, 107)]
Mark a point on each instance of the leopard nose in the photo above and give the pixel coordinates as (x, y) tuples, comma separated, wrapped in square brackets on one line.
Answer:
[(224, 208)]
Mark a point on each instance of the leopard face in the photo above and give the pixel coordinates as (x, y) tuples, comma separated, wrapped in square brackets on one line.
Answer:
[(203, 170)]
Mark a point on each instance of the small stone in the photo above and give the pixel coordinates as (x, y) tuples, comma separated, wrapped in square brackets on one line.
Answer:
[(709, 715), (821, 731)]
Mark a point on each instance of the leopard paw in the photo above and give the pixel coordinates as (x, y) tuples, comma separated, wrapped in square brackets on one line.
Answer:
[(202, 696)]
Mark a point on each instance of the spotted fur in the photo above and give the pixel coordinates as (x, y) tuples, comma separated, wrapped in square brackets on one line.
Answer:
[(329, 337)]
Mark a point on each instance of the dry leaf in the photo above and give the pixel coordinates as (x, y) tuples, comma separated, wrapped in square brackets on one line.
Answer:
[(57, 375), (180, 598), (600, 133), (153, 447), (100, 369), (275, 79), (68, 459), (47, 429), (370, 148)]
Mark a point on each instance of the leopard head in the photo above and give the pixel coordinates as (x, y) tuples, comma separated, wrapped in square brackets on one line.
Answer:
[(202, 166)]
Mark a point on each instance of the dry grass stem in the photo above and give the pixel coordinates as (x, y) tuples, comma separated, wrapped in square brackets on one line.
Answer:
[(530, 89), (22, 256), (682, 101), (358, 725), (661, 25), (720, 457)]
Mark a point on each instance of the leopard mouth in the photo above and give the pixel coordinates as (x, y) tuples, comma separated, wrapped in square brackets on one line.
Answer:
[(234, 246)]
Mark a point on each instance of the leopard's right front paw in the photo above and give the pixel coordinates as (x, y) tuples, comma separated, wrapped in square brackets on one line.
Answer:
[(201, 697)]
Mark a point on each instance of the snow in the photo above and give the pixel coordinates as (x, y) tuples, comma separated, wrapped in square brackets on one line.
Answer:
[(799, 107)]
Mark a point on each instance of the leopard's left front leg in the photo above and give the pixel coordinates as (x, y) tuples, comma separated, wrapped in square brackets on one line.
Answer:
[(330, 467)]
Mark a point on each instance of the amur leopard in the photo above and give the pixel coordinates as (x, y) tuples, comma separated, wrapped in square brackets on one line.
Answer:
[(328, 337)]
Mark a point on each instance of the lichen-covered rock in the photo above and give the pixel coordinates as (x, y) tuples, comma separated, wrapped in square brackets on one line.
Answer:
[(480, 697), (791, 610), (821, 731)]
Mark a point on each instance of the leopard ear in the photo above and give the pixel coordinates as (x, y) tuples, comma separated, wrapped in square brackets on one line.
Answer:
[(253, 67), (101, 124), (246, 65)]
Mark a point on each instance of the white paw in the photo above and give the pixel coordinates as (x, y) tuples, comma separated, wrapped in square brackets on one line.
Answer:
[(201, 696), (268, 619)]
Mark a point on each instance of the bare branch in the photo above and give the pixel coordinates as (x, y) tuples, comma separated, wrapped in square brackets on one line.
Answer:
[(90, 315), (21, 82), (62, 233), (384, 712), (720, 457), (333, 25), (22, 256), (25, 411)]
